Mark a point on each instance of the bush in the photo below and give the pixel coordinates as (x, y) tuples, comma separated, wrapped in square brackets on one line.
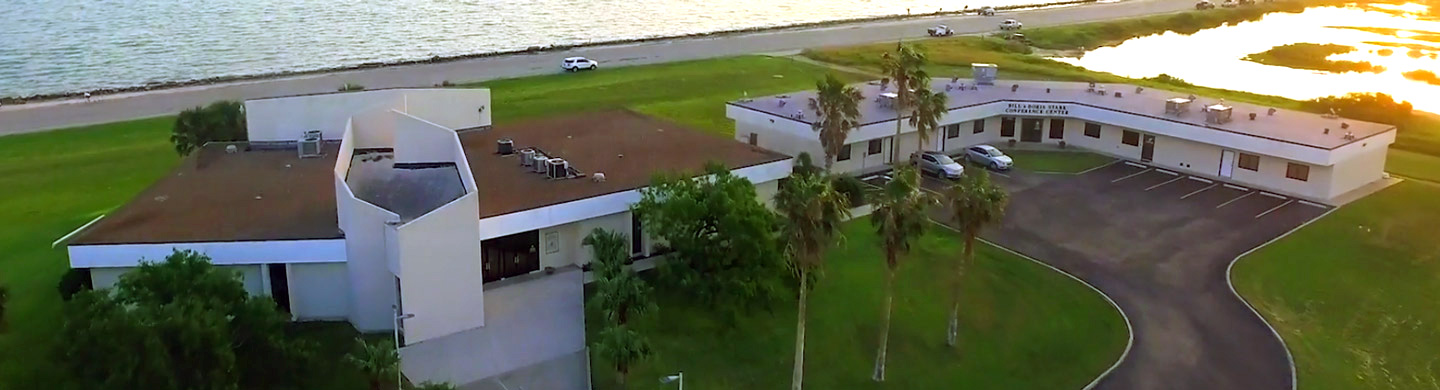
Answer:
[(351, 87), (1171, 80), (852, 188), (1373, 107), (222, 121), (73, 282)]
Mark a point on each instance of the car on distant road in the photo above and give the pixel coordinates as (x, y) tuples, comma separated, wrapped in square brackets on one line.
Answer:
[(1011, 24), (940, 31), (987, 11), (575, 64), (1204, 4), (988, 156), (1230, 4), (938, 164)]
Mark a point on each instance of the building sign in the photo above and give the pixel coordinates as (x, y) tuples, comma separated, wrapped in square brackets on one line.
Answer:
[(1036, 109)]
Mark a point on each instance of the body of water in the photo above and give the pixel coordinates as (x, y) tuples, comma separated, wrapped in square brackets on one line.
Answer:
[(57, 46), (1401, 38)]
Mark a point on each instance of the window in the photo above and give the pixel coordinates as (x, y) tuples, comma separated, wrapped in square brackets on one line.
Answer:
[(978, 126), (952, 131), (1007, 127), (1249, 162), (1130, 138), (844, 153), (1092, 130), (873, 148), (754, 139), (1299, 172), (928, 157), (1057, 128)]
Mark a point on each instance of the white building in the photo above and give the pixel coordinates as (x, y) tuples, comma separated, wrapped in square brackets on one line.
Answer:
[(1310, 156), (405, 204)]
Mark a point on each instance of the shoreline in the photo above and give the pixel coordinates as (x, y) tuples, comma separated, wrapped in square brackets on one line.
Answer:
[(149, 87)]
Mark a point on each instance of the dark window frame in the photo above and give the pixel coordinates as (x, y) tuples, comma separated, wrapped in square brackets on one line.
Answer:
[(1092, 129), (1299, 172), (1053, 133), (1007, 127), (876, 146), (1131, 138), (1254, 159), (977, 127), (952, 131), (845, 152)]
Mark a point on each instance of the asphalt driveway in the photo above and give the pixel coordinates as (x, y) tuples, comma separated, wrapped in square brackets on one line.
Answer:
[(1159, 244)]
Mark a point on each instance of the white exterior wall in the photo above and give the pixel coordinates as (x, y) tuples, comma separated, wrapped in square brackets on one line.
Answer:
[(220, 253), (369, 254), (319, 291), (287, 118), (441, 271), (250, 277), (451, 108), (1359, 170), (1271, 176), (420, 141), (1187, 156), (571, 236)]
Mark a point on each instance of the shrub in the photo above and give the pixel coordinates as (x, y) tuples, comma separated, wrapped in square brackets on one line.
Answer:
[(851, 187), (351, 87), (1373, 107), (1171, 80), (221, 121), (73, 282)]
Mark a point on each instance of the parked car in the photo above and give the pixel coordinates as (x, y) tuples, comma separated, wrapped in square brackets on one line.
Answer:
[(1230, 4), (1204, 4), (939, 164), (1011, 24), (941, 31), (987, 11), (1018, 37), (988, 156), (575, 64)]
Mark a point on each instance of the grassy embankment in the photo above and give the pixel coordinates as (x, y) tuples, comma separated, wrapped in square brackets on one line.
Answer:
[(1356, 295), (1014, 335), (62, 179), (1313, 56)]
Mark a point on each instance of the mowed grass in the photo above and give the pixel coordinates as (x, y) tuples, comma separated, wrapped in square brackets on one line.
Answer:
[(1356, 295), (1054, 161), (1413, 165), (1024, 326), (53, 183), (691, 93)]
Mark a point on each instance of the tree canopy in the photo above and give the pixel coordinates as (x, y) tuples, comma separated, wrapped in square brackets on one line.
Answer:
[(179, 324), (839, 108), (218, 122), (726, 250)]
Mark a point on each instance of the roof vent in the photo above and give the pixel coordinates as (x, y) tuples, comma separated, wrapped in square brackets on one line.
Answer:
[(505, 147), (1349, 136), (598, 177), (538, 160), (527, 157), (309, 144), (231, 149), (557, 168), (1270, 112), (1344, 125)]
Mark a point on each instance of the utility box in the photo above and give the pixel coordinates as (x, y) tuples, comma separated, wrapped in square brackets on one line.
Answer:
[(984, 73), (1218, 114), (1177, 106)]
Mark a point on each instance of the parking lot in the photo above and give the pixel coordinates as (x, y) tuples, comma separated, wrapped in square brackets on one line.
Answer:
[(1159, 243)]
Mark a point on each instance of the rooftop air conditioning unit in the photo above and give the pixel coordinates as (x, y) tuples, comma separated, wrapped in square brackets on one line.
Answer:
[(527, 157), (984, 73), (309, 144), (558, 168), (505, 147), (1177, 106), (1218, 114), (537, 164)]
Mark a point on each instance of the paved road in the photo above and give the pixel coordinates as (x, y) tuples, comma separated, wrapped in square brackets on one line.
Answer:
[(66, 113), (1160, 245)]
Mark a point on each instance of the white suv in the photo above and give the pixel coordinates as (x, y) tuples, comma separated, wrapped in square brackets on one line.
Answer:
[(575, 64), (1011, 24)]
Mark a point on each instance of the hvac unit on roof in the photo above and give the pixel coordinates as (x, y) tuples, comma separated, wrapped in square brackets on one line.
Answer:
[(537, 162), (1177, 106), (1218, 114), (309, 144), (558, 168), (504, 147), (527, 157)]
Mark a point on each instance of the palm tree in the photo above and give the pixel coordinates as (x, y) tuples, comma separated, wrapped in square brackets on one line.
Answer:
[(906, 69), (378, 361), (839, 108), (899, 218), (975, 202), (929, 107), (619, 295), (813, 211)]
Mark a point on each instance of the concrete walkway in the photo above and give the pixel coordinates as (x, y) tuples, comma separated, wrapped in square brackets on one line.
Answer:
[(110, 108)]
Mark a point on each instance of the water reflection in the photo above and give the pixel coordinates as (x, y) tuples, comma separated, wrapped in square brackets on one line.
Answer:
[(1399, 38)]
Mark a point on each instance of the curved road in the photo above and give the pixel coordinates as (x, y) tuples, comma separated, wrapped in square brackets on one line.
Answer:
[(110, 108)]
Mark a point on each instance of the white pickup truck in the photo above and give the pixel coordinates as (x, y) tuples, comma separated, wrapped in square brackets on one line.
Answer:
[(941, 31)]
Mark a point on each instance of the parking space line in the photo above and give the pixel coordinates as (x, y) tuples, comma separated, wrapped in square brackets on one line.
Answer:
[(1236, 198), (998, 174), (1135, 165), (1276, 196), (1131, 175), (1177, 178), (1274, 208), (1202, 180), (1166, 172), (1198, 191), (1235, 187), (1313, 204), (1102, 166)]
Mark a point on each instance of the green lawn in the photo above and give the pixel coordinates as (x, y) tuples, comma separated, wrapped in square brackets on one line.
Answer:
[(1096, 34), (1356, 295), (1054, 161), (1411, 164), (1024, 327), (693, 93)]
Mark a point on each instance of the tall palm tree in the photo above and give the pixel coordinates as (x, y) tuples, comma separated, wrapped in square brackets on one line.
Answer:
[(975, 202), (378, 361), (929, 107), (905, 68), (813, 211), (839, 108), (899, 218)]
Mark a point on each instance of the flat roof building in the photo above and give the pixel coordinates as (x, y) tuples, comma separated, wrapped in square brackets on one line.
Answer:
[(1317, 157), (408, 204)]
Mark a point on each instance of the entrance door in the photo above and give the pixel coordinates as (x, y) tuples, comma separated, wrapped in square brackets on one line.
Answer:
[(279, 285), (1147, 149), (1227, 163), (1031, 129)]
